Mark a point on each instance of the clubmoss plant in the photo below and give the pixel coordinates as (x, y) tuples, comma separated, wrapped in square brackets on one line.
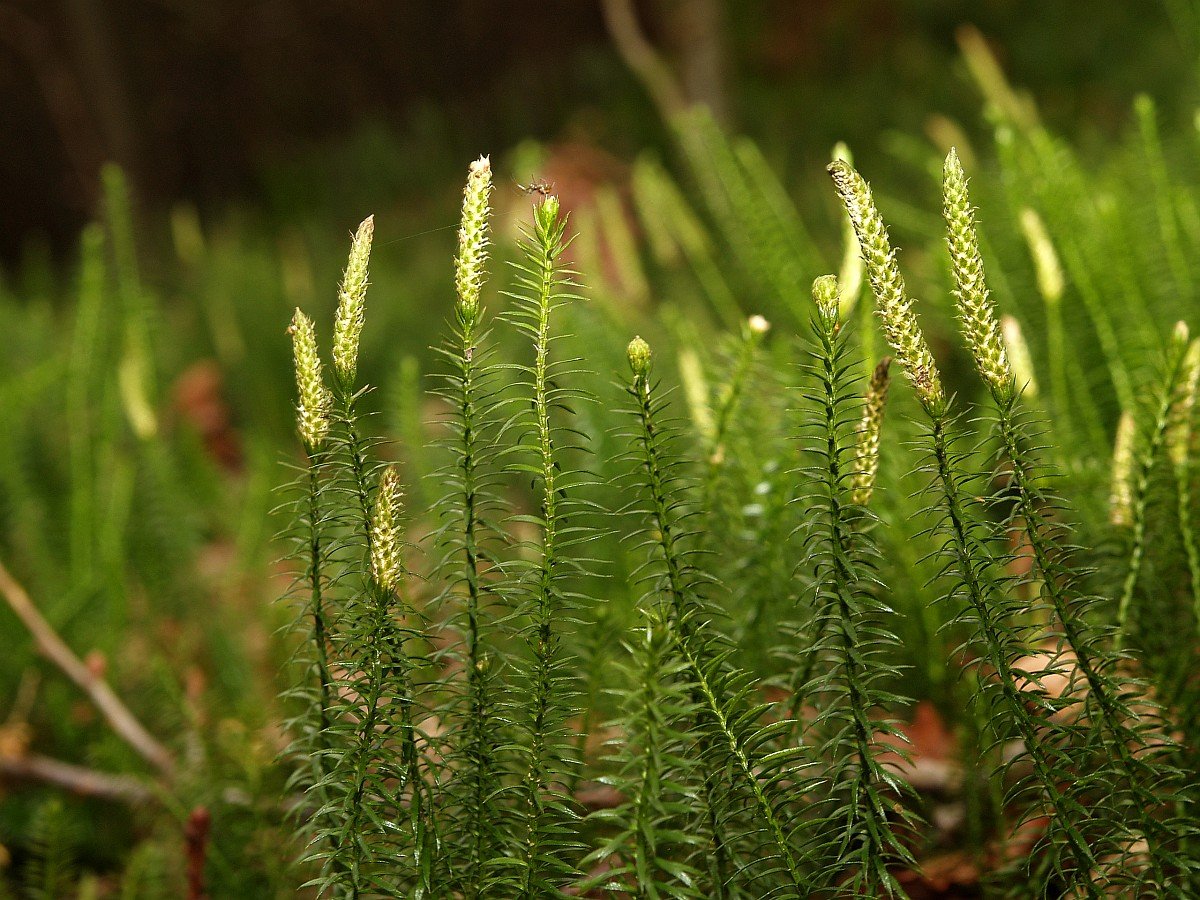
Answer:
[(86, 342), (1018, 356), (729, 619), (372, 654), (445, 745), (1179, 450), (864, 820), (136, 375), (1120, 494), (730, 395), (862, 480), (312, 420), (991, 612), (714, 853), (544, 853), (1133, 747), (729, 737), (468, 539), (368, 778), (347, 331), (652, 850)]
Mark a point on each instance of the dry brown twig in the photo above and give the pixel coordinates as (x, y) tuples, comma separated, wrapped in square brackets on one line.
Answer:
[(55, 649), (76, 779)]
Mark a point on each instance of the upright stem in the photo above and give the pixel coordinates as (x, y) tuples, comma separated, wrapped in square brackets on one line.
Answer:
[(867, 821), (547, 247), (478, 712), (705, 691), (1048, 569), (968, 555), (366, 742), (320, 631), (1183, 483), (358, 465)]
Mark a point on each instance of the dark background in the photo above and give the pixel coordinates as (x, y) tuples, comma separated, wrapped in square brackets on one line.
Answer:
[(289, 107)]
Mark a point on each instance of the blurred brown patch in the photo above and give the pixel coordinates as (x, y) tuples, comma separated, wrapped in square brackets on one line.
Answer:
[(195, 834), (593, 795), (15, 738), (948, 876), (199, 400), (928, 760), (576, 169), (928, 733), (1021, 563)]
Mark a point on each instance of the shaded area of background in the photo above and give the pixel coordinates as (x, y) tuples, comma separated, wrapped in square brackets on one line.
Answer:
[(307, 105)]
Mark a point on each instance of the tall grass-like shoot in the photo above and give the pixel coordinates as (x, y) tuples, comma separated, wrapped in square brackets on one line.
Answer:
[(1018, 356), (468, 540), (1148, 450), (861, 830), (730, 738), (1120, 495), (543, 854), (1179, 449)]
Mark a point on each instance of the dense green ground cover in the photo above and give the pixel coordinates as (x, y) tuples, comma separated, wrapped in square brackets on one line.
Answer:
[(138, 490)]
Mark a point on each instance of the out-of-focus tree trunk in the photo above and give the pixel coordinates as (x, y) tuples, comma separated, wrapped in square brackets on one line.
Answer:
[(696, 73), (100, 73), (696, 29), (65, 103), (643, 58)]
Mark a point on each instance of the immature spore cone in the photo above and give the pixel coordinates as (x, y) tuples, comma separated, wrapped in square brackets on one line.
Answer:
[(866, 451), (638, 354), (312, 408), (826, 296), (975, 309), (473, 240), (351, 310), (386, 564), (893, 304)]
